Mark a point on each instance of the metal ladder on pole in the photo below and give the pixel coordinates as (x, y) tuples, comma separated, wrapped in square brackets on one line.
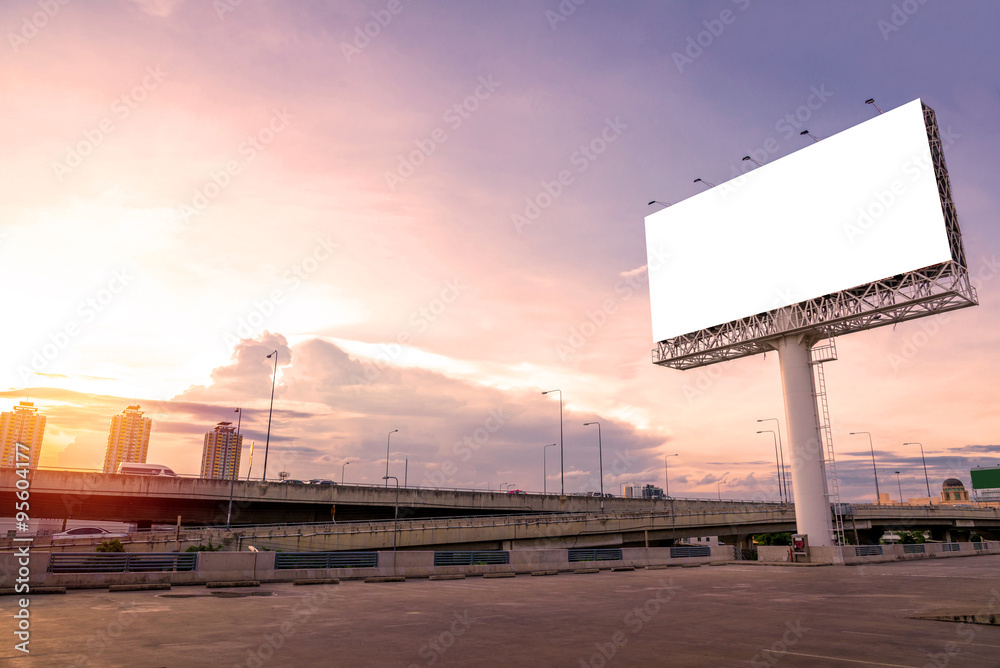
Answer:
[(827, 352)]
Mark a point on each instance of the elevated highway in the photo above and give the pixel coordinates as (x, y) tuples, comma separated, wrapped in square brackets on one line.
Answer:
[(147, 500), (438, 517)]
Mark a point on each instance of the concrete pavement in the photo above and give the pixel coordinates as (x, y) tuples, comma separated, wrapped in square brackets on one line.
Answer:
[(732, 615)]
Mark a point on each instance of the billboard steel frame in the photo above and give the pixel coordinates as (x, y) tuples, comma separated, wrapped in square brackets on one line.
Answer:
[(936, 289), (794, 330)]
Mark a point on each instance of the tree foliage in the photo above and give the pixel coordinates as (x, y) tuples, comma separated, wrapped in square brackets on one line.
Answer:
[(113, 545)]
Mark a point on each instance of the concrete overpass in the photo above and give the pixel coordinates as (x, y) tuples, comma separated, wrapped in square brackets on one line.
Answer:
[(865, 523), (629, 522), (493, 532), (147, 500)]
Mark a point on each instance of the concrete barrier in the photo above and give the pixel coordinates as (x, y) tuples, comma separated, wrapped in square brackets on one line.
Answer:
[(218, 567), (236, 565), (848, 554)]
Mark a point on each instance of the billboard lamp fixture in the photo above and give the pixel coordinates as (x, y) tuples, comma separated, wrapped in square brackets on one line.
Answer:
[(656, 201), (747, 157), (710, 185), (871, 101), (810, 135)]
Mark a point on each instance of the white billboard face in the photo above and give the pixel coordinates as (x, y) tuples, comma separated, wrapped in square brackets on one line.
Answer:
[(858, 207)]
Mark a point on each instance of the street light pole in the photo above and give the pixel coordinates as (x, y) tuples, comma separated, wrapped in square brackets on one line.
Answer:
[(926, 479), (878, 496), (781, 494), (545, 475), (900, 488), (395, 519), (386, 478), (720, 488), (562, 468), (342, 472), (783, 477), (232, 479), (267, 442), (666, 475), (600, 456)]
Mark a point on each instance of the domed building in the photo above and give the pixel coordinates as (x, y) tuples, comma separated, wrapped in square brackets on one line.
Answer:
[(953, 491)]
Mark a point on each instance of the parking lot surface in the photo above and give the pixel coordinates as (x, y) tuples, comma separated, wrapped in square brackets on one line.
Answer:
[(732, 615)]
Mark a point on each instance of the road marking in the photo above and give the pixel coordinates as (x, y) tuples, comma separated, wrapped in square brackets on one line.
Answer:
[(891, 635), (837, 658)]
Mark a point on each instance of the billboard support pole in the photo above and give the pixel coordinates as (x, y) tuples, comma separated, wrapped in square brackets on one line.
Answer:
[(809, 486)]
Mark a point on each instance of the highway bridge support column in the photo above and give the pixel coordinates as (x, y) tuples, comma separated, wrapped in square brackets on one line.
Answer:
[(812, 508)]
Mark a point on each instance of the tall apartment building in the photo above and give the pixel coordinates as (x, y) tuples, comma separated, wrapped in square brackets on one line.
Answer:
[(128, 439), (22, 425), (220, 457)]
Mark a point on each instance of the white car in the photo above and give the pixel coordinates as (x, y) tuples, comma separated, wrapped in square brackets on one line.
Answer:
[(87, 532)]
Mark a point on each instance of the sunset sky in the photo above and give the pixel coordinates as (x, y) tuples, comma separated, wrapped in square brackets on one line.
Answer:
[(434, 212)]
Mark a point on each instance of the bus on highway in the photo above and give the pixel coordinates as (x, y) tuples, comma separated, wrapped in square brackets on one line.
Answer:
[(137, 468)]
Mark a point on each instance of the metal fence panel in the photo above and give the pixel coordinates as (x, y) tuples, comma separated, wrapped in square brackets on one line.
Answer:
[(681, 551), (286, 560), (913, 549), (867, 550), (950, 547), (483, 557), (121, 562), (599, 554)]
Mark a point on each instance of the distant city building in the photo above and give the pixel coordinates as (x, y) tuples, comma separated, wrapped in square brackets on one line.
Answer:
[(712, 541), (22, 425), (220, 457), (644, 492), (128, 439), (652, 492), (953, 491)]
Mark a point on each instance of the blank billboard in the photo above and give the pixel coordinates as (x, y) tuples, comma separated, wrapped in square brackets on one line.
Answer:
[(857, 207), (985, 478)]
